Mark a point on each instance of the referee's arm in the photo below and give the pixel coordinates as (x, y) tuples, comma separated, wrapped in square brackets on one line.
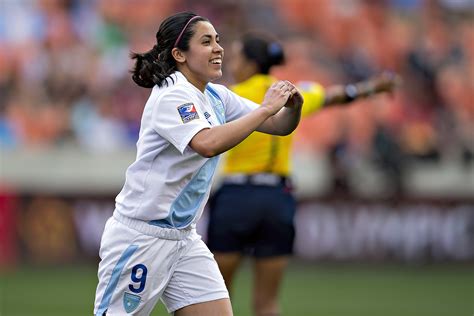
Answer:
[(340, 94)]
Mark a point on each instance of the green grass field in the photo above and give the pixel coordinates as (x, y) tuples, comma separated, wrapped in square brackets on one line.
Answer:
[(309, 289)]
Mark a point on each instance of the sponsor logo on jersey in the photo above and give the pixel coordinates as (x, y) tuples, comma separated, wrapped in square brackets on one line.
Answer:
[(207, 116), (187, 112), (130, 302)]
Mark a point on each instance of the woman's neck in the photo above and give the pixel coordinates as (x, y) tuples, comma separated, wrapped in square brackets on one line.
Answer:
[(199, 84)]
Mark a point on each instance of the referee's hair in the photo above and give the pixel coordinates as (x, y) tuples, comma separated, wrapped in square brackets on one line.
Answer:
[(263, 49), (153, 67)]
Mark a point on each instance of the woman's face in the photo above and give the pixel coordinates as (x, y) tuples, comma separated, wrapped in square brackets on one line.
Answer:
[(203, 60)]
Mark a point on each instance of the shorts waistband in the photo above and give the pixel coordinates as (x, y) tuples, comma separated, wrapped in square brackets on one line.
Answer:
[(153, 230), (264, 179)]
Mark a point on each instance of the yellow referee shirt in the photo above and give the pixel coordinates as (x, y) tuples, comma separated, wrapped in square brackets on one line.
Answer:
[(264, 153)]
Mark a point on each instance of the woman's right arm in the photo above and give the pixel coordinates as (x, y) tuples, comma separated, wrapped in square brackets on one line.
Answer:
[(213, 141)]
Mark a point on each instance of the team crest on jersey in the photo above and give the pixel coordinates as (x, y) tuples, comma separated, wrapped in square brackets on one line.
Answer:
[(130, 302), (187, 112)]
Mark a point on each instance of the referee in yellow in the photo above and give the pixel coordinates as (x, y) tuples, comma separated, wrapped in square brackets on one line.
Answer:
[(252, 212)]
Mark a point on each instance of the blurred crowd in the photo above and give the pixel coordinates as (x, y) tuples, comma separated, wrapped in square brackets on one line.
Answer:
[(429, 43), (64, 70)]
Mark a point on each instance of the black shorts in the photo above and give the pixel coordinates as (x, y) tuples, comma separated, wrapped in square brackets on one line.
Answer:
[(257, 220)]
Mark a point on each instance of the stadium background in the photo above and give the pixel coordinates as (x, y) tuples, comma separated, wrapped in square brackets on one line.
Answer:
[(385, 224)]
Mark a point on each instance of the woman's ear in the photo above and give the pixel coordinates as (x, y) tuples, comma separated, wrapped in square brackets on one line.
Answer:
[(178, 55)]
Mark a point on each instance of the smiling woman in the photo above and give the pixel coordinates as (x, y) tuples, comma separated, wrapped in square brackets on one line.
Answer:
[(150, 249), (203, 62)]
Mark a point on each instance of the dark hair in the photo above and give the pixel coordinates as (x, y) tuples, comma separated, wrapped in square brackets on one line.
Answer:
[(153, 67), (262, 49)]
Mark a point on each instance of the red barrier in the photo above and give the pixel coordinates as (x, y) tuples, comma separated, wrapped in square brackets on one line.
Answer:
[(8, 232)]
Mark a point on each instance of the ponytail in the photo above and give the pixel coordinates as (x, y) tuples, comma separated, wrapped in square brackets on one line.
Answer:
[(150, 70)]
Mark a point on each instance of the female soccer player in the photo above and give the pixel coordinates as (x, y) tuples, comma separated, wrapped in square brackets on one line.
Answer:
[(150, 249), (253, 211)]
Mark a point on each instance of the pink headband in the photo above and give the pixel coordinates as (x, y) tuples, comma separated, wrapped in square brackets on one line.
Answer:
[(184, 29)]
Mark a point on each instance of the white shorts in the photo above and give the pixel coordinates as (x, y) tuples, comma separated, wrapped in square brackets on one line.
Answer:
[(141, 263)]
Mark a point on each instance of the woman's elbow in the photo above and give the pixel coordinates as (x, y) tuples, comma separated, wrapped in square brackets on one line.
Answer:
[(208, 153), (203, 144), (204, 148)]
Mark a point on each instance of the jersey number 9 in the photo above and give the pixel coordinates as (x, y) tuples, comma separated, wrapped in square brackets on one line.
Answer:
[(138, 278)]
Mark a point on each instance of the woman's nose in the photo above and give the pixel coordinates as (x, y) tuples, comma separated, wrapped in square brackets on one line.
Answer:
[(218, 48)]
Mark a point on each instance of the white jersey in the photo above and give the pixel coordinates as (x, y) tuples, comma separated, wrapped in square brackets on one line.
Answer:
[(169, 183)]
